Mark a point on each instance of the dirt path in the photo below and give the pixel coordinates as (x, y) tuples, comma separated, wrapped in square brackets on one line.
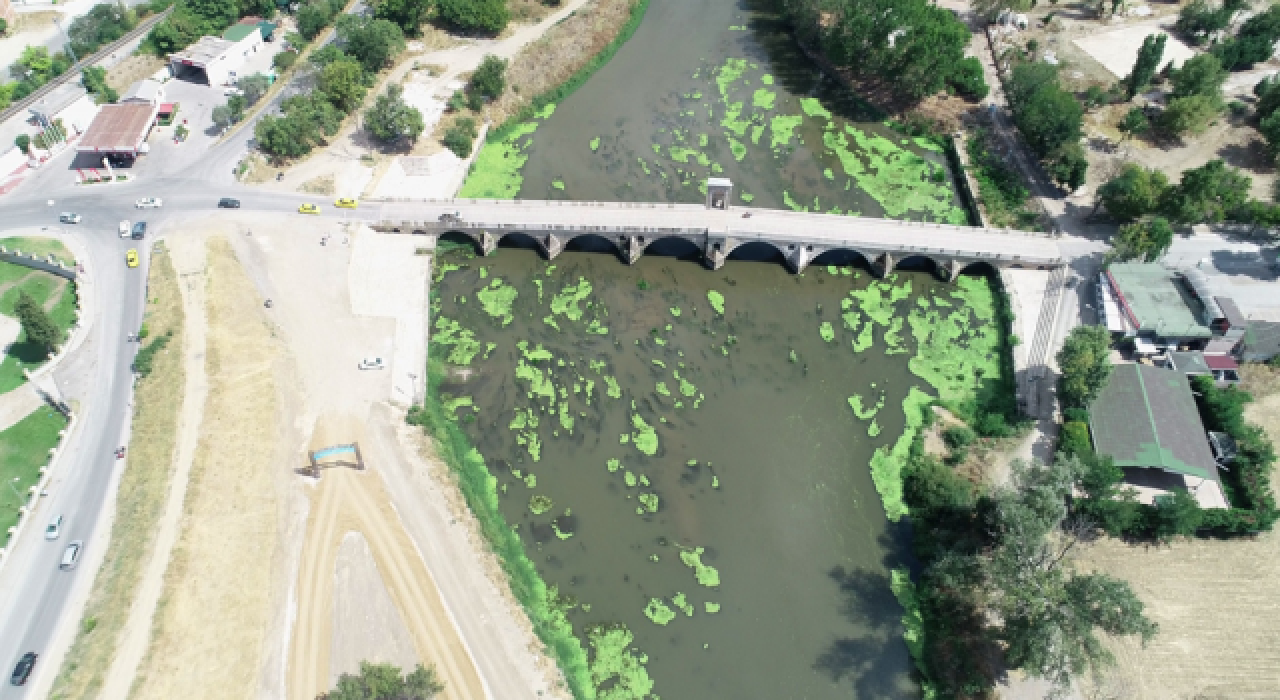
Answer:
[(212, 618), (347, 500), (188, 256)]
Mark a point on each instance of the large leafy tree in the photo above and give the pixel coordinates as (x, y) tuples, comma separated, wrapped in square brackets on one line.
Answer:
[(1146, 65), (1134, 193), (1201, 75), (1085, 363), (1207, 194), (490, 78), (392, 121), (1047, 115), (343, 83), (102, 24), (486, 16), (1189, 115), (407, 14), (1142, 240), (372, 42), (386, 682)]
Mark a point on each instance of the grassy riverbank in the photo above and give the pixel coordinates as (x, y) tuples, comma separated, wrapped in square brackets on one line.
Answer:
[(143, 488)]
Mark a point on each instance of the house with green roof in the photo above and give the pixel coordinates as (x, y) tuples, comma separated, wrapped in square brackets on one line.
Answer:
[(1146, 420), (1163, 307)]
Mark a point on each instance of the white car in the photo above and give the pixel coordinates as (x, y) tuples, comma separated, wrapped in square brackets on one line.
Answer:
[(67, 217), (125, 228), (149, 203), (54, 528), (372, 363)]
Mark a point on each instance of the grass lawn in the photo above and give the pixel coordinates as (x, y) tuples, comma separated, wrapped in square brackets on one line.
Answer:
[(24, 448), (56, 294), (41, 247)]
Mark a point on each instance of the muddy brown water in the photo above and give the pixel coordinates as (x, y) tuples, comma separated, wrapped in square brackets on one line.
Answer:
[(780, 496)]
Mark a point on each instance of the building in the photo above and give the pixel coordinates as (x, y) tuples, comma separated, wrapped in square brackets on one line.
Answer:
[(1162, 308), (1261, 341), (267, 28), (215, 60), (1146, 420), (1223, 369), (69, 105), (120, 130), (144, 91)]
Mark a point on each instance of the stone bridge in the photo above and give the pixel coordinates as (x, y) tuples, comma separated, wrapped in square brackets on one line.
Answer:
[(800, 238)]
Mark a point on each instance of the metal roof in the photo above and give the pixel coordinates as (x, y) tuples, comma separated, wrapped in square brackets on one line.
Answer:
[(1190, 362), (1231, 312), (1146, 417), (118, 128), (237, 32), (1157, 301), (203, 51), (146, 90)]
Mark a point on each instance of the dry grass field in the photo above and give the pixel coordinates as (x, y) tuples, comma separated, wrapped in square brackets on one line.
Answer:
[(210, 626), (141, 497), (1217, 603)]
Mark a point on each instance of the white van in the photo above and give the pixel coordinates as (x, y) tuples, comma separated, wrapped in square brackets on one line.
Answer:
[(124, 229)]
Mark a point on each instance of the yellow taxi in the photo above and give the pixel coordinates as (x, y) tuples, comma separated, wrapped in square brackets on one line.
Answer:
[(308, 209), (131, 258), (345, 203)]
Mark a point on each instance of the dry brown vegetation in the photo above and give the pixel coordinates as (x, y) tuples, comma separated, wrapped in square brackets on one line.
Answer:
[(324, 184), (132, 69), (207, 641), (142, 493), (1216, 601)]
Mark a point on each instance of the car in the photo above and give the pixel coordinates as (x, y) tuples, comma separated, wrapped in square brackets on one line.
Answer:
[(228, 203), (149, 203), (139, 231), (54, 528), (71, 555), (67, 217), (125, 227), (131, 258), (345, 203), (308, 209), (232, 92), (22, 671), (372, 363)]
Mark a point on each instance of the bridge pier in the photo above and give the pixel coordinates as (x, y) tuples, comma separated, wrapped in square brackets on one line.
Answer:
[(716, 251), (952, 270), (488, 242), (552, 245), (882, 266), (632, 248), (799, 257)]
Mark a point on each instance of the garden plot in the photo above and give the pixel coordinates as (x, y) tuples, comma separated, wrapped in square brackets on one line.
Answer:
[(1117, 50)]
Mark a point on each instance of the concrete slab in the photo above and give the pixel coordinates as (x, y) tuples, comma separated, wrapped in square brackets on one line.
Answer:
[(1117, 50), (387, 279), (366, 624)]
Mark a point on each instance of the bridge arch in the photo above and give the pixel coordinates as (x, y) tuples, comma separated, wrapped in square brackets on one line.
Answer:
[(591, 243), (460, 237), (924, 263), (842, 257), (677, 247), (758, 251), (979, 267), (520, 239)]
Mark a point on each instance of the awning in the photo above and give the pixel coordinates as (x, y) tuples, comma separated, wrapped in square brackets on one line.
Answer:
[(1142, 346), (1112, 315), (166, 108), (1221, 362)]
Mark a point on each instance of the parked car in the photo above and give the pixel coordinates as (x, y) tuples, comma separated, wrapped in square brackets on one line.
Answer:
[(228, 203), (232, 91), (372, 363), (345, 203), (67, 217), (22, 671), (139, 231), (149, 203), (54, 528), (308, 209), (71, 555), (131, 258), (124, 228)]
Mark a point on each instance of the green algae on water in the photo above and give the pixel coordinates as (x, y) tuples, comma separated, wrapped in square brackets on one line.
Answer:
[(649, 501), (826, 331), (496, 299), (716, 299), (617, 669), (706, 574), (682, 602), (644, 438), (539, 504), (658, 612), (711, 608), (595, 144)]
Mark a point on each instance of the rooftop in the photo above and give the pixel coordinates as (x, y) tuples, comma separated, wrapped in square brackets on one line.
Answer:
[(118, 128), (203, 51), (237, 32), (1157, 301), (1146, 417), (145, 90)]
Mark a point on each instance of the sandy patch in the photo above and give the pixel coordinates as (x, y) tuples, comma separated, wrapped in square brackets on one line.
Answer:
[(366, 624), (1117, 50)]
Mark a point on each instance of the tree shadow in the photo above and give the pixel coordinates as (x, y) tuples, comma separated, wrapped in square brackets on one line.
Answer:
[(1251, 155), (1255, 265), (874, 664)]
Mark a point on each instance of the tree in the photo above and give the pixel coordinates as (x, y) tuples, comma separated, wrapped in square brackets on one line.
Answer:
[(372, 42), (1201, 75), (487, 16), (489, 80), (38, 327), (1189, 115), (1253, 44), (23, 142), (407, 14), (222, 117), (1206, 194), (1269, 127), (1047, 115), (1198, 19), (1068, 165), (1142, 240), (1134, 123), (390, 120), (254, 87), (968, 79), (343, 83), (102, 24), (385, 682), (1145, 67), (94, 79), (992, 9), (284, 60), (1085, 363), (1134, 193), (1177, 513), (1050, 614), (37, 61), (4, 26), (1268, 92), (459, 137)]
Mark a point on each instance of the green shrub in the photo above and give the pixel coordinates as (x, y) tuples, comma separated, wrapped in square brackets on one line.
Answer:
[(1074, 440), (284, 60), (488, 16), (958, 436), (459, 137), (145, 359)]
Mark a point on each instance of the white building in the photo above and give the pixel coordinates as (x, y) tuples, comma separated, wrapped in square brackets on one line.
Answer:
[(216, 60), (144, 91)]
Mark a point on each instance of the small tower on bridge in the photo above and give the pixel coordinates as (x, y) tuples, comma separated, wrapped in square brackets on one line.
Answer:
[(719, 190)]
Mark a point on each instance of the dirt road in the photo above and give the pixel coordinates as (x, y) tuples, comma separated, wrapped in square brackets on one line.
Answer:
[(348, 500)]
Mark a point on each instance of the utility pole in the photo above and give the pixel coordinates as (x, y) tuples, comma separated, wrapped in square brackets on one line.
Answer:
[(70, 51)]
